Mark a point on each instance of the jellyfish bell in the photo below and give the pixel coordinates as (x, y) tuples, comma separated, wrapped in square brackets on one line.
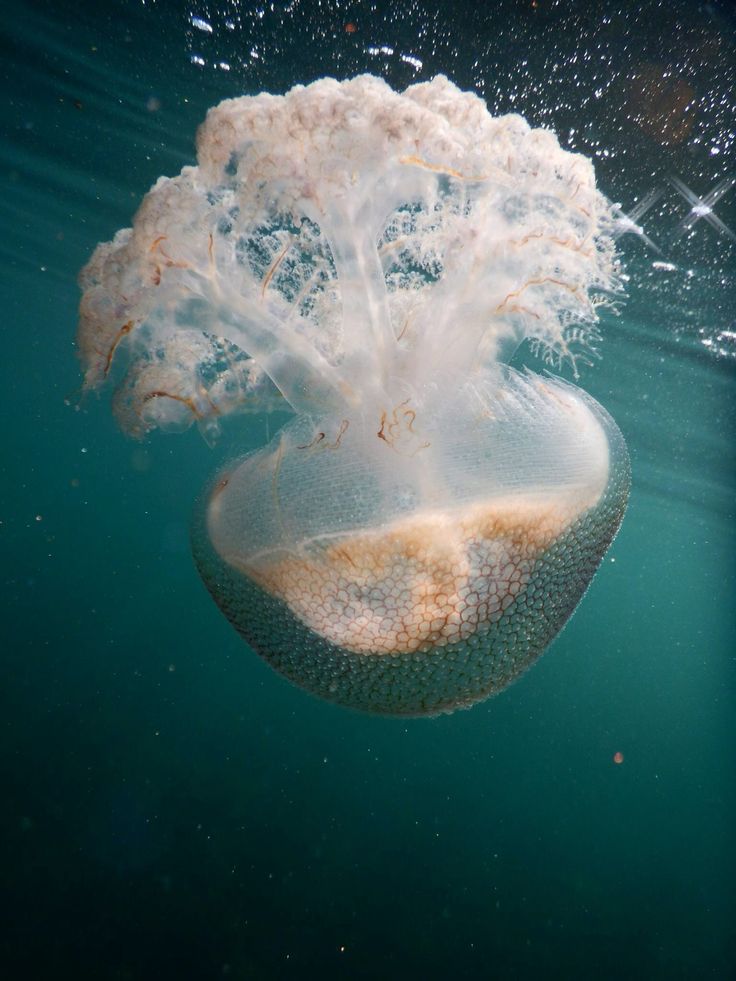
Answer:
[(427, 522), (413, 585)]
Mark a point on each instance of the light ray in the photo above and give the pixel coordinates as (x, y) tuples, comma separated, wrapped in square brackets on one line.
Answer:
[(629, 223), (703, 207)]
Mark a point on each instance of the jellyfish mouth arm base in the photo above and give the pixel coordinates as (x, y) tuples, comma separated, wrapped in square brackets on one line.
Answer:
[(363, 293), (306, 380), (308, 383)]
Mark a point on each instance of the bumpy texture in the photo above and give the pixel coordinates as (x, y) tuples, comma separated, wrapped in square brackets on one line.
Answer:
[(424, 582)]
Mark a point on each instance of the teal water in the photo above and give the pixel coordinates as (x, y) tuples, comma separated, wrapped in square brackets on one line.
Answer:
[(171, 807)]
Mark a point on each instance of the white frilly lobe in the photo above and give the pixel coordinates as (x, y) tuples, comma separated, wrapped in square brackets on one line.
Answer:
[(340, 246)]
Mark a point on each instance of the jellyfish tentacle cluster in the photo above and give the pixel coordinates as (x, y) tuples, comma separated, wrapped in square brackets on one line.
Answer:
[(369, 260)]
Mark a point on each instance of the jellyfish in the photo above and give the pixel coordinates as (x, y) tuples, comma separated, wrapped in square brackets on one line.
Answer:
[(424, 525)]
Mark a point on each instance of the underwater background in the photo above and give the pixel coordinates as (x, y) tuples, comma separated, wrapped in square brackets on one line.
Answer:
[(173, 808)]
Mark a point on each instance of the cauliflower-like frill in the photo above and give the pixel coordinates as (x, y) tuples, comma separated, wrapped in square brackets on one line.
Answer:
[(335, 239)]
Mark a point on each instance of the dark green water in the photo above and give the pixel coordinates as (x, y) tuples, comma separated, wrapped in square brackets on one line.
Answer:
[(171, 807)]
